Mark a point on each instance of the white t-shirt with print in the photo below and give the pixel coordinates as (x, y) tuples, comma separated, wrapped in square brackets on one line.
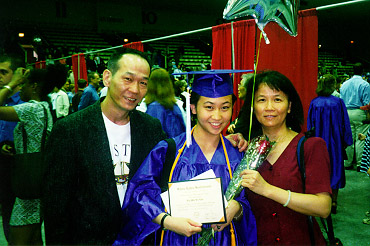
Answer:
[(119, 137)]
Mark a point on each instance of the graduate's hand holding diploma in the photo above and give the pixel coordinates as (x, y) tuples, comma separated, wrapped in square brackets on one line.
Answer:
[(182, 226)]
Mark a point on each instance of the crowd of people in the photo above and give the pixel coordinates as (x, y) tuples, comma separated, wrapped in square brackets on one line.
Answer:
[(108, 147)]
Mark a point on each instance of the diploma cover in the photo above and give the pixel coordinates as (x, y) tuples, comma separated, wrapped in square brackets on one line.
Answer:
[(201, 200)]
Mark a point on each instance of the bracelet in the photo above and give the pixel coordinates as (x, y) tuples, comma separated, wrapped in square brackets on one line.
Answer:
[(162, 220), (289, 196), (240, 215), (8, 87)]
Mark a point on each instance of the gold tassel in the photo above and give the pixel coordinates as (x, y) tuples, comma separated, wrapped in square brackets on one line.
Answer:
[(162, 234), (232, 232)]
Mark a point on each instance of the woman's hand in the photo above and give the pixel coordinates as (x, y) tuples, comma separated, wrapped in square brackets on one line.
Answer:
[(309, 204), (232, 209), (254, 181)]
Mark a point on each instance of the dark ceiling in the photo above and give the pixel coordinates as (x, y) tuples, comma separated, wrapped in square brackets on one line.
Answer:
[(338, 26)]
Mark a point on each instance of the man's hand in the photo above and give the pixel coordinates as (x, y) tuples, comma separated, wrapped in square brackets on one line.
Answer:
[(237, 140)]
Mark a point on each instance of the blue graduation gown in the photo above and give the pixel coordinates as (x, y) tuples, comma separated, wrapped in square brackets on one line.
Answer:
[(143, 203), (171, 120), (330, 118)]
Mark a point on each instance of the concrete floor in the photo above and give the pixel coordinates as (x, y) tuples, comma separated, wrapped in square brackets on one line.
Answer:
[(353, 202)]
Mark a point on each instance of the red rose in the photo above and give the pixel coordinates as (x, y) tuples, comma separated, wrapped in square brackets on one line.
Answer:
[(264, 145)]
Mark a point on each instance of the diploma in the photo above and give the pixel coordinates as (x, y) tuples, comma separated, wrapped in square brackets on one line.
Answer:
[(200, 200)]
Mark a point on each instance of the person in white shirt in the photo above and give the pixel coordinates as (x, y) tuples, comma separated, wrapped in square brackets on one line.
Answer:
[(61, 102)]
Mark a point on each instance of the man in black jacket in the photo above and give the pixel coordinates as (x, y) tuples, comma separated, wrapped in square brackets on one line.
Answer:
[(93, 153)]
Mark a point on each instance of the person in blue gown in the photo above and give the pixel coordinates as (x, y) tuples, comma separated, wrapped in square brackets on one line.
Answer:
[(328, 114), (143, 210), (161, 103)]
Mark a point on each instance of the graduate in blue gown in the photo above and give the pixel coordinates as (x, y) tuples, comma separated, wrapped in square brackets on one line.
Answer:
[(328, 114), (143, 210), (162, 104)]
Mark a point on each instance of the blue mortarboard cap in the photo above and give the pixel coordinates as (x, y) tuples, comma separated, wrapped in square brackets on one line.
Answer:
[(213, 85)]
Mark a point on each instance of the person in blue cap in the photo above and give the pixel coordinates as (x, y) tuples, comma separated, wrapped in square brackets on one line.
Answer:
[(143, 210)]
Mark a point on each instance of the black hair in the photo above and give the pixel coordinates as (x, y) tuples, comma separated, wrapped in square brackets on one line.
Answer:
[(358, 68), (81, 83), (280, 82), (194, 98), (15, 61), (49, 78), (91, 76), (117, 55)]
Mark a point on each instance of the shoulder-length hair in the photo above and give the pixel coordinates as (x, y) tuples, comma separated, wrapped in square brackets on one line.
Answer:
[(326, 85), (279, 82), (160, 89)]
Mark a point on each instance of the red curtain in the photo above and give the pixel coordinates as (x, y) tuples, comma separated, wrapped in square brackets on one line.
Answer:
[(295, 57), (221, 54), (79, 68), (40, 65), (135, 45), (244, 46)]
